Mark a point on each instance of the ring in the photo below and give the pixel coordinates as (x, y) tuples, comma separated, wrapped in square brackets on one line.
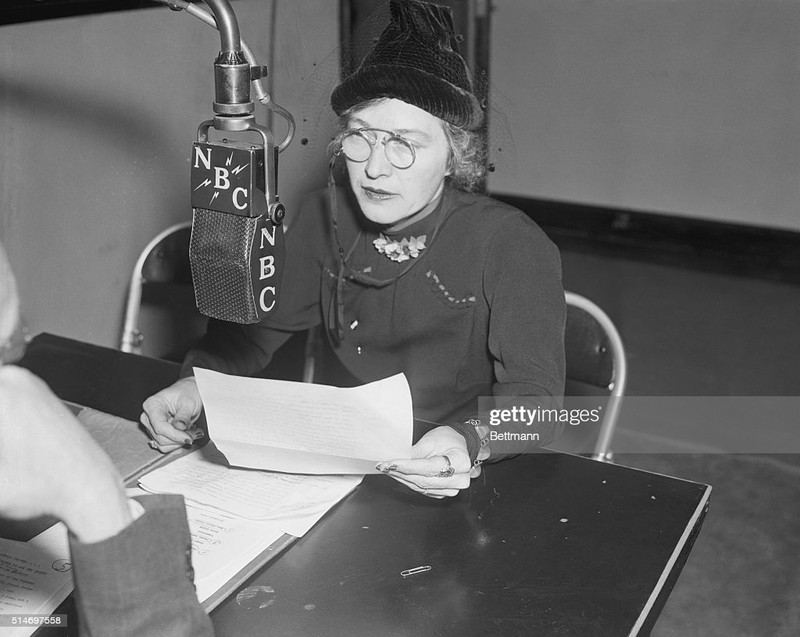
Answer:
[(448, 469)]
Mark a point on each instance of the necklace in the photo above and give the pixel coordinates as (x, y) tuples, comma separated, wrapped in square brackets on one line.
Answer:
[(402, 250)]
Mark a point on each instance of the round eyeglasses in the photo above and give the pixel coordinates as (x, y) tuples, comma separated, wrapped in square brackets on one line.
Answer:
[(357, 145)]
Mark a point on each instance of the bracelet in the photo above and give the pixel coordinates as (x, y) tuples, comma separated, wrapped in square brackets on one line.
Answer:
[(484, 452)]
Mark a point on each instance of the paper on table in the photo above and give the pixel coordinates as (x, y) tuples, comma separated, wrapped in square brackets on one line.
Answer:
[(222, 544), (307, 428), (35, 576), (203, 477)]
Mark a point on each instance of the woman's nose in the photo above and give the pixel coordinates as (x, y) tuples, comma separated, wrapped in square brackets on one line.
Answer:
[(378, 165)]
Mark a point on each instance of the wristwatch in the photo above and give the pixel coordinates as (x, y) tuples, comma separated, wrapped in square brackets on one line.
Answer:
[(484, 452)]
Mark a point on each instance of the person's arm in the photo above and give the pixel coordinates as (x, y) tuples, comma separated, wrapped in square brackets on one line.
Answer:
[(50, 465), (140, 581), (526, 333)]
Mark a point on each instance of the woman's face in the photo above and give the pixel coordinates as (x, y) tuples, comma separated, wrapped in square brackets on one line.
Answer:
[(396, 197)]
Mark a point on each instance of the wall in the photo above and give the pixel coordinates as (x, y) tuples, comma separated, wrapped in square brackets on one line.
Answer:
[(687, 107), (97, 117)]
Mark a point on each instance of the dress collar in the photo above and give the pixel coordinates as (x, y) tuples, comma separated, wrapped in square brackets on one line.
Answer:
[(425, 225)]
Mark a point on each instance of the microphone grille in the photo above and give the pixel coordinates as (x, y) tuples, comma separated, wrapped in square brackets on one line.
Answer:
[(219, 251)]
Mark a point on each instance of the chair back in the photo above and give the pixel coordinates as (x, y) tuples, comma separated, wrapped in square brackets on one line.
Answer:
[(161, 281), (596, 366)]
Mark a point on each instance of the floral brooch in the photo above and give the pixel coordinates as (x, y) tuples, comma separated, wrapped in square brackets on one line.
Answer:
[(402, 250)]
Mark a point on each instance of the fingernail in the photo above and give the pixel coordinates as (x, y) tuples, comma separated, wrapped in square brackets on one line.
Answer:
[(180, 425)]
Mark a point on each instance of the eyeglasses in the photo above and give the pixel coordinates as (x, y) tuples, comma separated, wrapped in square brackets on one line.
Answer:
[(357, 146)]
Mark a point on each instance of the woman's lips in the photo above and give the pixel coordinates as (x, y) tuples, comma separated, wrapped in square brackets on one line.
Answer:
[(376, 194)]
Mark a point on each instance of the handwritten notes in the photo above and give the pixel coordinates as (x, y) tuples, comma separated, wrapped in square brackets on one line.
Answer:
[(35, 576), (203, 477), (236, 515), (306, 428)]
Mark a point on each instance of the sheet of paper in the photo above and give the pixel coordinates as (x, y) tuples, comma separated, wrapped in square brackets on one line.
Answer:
[(307, 428), (222, 544), (35, 576), (203, 477)]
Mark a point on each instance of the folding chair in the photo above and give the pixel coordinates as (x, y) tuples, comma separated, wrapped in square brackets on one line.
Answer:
[(162, 281), (596, 366)]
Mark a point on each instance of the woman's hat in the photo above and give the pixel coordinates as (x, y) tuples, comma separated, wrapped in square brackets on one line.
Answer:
[(416, 60)]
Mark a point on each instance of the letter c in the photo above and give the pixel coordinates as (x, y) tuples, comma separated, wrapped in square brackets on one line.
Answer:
[(261, 302)]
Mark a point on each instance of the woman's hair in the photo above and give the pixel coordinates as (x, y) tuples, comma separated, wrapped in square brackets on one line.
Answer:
[(467, 150), (467, 158)]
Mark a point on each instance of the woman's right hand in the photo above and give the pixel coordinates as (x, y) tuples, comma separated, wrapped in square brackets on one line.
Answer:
[(169, 416)]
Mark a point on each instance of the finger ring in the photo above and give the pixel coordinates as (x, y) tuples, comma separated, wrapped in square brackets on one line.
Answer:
[(153, 444), (448, 469)]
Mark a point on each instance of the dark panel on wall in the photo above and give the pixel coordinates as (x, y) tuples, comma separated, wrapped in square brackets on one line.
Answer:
[(731, 248)]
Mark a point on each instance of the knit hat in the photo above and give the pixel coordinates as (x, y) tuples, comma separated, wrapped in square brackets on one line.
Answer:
[(416, 60)]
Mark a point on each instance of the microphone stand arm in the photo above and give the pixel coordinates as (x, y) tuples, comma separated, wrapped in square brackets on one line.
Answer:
[(229, 82)]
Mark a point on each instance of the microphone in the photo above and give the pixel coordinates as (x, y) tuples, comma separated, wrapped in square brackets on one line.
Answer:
[(236, 250)]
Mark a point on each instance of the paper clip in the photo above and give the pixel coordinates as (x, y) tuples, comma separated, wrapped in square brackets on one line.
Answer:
[(414, 571)]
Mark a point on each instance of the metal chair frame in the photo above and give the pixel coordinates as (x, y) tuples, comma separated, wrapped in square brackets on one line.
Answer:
[(618, 379), (131, 340)]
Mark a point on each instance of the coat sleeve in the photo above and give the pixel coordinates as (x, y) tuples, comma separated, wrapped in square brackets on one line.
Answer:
[(141, 581), (523, 288)]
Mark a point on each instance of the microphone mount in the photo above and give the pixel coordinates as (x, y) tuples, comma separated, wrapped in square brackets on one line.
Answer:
[(233, 107), (234, 111)]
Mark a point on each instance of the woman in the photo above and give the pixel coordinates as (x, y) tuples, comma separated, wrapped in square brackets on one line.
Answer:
[(408, 270)]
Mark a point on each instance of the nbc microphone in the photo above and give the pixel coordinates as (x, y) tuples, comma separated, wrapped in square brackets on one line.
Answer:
[(236, 249)]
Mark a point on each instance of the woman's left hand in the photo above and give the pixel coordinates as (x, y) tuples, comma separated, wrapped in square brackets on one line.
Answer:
[(439, 465)]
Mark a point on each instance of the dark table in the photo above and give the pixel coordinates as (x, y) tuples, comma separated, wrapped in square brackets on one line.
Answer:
[(544, 544)]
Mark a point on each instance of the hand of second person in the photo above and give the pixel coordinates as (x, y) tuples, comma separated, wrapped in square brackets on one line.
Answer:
[(439, 465), (170, 414)]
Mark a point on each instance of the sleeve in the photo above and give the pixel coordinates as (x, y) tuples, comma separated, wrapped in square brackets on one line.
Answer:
[(140, 582), (523, 287), (247, 349)]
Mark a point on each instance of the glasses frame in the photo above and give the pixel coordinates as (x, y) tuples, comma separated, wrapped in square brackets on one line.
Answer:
[(391, 136)]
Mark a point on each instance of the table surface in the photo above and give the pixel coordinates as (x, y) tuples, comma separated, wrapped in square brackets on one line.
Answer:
[(543, 544)]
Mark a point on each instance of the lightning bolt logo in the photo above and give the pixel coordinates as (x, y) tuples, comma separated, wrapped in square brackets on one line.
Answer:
[(216, 194), (229, 160), (206, 182), (239, 169)]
